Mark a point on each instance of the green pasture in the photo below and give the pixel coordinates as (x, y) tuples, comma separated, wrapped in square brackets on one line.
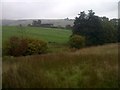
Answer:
[(59, 36)]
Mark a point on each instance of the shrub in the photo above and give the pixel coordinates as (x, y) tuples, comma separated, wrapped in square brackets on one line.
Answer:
[(36, 47), (16, 46), (77, 41)]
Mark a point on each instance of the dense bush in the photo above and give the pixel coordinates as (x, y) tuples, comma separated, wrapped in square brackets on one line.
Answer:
[(36, 47), (109, 33), (16, 46), (96, 30), (77, 41), (118, 30)]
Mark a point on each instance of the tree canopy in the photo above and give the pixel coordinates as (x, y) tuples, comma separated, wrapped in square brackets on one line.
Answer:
[(118, 30), (97, 30)]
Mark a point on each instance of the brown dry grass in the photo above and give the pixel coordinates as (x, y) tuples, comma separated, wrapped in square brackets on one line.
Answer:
[(92, 67)]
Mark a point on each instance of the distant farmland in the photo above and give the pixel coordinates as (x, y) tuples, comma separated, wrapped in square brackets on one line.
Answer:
[(57, 38), (47, 34), (55, 22)]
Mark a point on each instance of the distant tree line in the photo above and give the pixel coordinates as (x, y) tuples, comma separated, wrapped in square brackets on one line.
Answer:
[(37, 23), (96, 30)]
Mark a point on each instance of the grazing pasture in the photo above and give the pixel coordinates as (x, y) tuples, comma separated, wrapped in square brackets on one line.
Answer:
[(62, 67), (59, 36), (57, 39)]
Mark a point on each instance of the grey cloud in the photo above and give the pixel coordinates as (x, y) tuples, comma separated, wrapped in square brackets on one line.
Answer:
[(21, 9)]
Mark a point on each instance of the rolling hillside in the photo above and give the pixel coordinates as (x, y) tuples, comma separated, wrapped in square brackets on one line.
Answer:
[(56, 38), (55, 22), (47, 34), (91, 67)]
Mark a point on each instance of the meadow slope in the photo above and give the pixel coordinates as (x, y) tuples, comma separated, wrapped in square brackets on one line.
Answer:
[(94, 67), (57, 39), (48, 34)]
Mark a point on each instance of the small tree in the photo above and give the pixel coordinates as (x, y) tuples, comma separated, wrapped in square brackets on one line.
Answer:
[(36, 23), (77, 41), (68, 27), (39, 22)]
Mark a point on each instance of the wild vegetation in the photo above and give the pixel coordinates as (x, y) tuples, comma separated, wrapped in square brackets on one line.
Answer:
[(57, 39), (77, 41), (85, 64), (24, 46), (119, 30), (95, 67), (95, 29)]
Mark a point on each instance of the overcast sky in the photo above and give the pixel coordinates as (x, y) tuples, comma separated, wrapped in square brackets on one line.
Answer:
[(56, 9)]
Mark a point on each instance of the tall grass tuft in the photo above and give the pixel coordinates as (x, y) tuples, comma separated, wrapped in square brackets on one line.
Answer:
[(80, 69)]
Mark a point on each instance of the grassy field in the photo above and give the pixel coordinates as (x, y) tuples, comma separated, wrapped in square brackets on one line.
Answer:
[(59, 36), (61, 67), (94, 67)]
